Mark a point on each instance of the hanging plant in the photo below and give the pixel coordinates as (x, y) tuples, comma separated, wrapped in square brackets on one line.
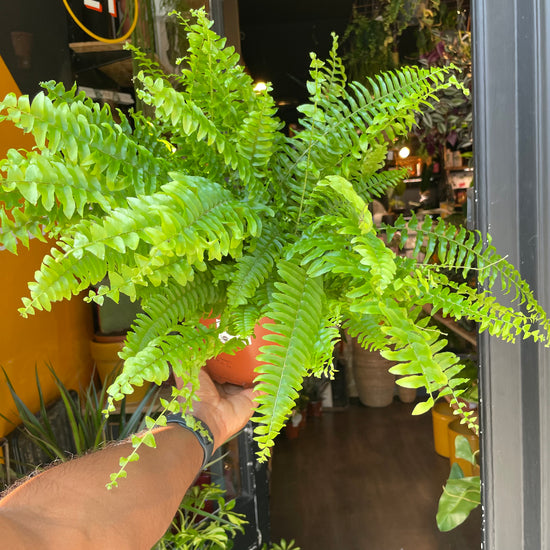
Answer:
[(447, 122), (371, 39)]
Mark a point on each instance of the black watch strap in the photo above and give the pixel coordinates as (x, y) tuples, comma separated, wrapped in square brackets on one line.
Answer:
[(199, 429)]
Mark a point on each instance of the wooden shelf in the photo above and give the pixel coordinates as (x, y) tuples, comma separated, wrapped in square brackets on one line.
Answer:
[(452, 325), (95, 46), (121, 72), (111, 59), (463, 168)]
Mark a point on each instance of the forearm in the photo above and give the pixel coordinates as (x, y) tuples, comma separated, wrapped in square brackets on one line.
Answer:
[(69, 506)]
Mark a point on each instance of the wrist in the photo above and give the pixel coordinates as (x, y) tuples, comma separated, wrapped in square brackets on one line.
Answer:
[(210, 416), (200, 430)]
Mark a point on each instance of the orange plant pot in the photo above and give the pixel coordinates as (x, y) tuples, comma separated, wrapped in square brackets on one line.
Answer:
[(239, 369), (456, 429), (108, 364), (442, 416)]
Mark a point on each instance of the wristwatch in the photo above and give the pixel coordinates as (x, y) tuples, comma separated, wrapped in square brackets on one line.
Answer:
[(199, 429)]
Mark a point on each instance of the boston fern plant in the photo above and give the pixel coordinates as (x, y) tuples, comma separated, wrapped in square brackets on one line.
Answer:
[(205, 207)]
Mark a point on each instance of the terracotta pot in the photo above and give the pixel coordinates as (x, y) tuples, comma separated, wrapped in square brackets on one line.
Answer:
[(315, 408), (292, 431), (294, 425), (239, 369)]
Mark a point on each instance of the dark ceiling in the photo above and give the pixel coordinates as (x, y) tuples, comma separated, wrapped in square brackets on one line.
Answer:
[(278, 35)]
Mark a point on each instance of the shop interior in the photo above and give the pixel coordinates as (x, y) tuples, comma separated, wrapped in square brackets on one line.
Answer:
[(352, 468)]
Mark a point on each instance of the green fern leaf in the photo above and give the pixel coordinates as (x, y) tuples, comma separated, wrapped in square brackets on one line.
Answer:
[(297, 314), (164, 310), (253, 268), (185, 350)]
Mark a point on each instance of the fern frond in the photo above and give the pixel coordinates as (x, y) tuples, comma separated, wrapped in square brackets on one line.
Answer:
[(145, 62), (373, 161), (83, 159), (323, 349), (296, 310), (243, 320), (86, 135), (186, 350), (185, 116), (242, 135), (227, 84), (377, 184), (418, 351), (321, 256), (51, 182), (370, 251), (17, 227), (327, 77), (366, 328), (379, 259), (459, 300), (254, 267), (61, 277), (164, 310), (190, 217), (256, 140), (338, 129), (366, 172), (42, 193), (462, 250)]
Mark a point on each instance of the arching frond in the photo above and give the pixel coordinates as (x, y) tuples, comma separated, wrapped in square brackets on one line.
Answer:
[(463, 250), (190, 218), (297, 312), (253, 268), (163, 311), (379, 183), (340, 128)]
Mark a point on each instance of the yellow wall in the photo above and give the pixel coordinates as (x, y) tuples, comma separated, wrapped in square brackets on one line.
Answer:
[(60, 337)]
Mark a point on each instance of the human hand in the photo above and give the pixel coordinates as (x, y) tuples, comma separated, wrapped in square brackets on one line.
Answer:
[(225, 409)]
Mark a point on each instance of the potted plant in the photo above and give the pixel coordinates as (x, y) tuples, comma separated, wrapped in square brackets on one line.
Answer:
[(206, 207), (373, 377), (293, 423), (313, 388), (205, 519), (461, 493), (86, 426)]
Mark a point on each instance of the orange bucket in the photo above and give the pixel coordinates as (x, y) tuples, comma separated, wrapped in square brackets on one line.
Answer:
[(108, 364), (442, 416), (455, 429)]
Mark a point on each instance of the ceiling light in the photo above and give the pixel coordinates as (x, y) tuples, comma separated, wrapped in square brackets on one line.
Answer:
[(260, 86), (404, 152)]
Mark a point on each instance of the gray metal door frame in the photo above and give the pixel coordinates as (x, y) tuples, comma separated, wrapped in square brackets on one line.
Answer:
[(512, 133)]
